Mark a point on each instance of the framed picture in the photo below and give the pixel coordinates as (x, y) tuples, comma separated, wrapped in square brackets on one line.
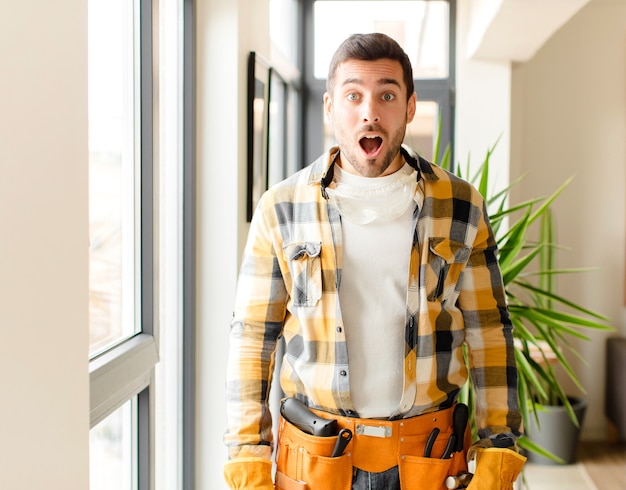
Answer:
[(277, 138), (258, 129)]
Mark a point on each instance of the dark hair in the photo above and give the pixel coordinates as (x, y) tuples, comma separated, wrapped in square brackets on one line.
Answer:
[(370, 47)]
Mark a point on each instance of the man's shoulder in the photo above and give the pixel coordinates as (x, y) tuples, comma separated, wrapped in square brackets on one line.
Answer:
[(311, 173), (301, 186), (440, 182)]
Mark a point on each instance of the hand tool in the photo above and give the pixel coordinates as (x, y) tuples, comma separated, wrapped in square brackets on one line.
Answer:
[(447, 452), (460, 417), (296, 412), (343, 438), (462, 480), (430, 441), (459, 424)]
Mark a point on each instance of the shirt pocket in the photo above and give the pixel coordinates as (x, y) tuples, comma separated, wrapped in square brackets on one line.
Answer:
[(446, 261), (305, 265)]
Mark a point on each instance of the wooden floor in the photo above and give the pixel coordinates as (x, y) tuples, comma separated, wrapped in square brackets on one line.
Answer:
[(605, 463)]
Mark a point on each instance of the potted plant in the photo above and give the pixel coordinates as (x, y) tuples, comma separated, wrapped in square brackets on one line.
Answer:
[(544, 322)]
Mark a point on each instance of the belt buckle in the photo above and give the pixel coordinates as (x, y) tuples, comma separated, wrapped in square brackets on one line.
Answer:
[(381, 431)]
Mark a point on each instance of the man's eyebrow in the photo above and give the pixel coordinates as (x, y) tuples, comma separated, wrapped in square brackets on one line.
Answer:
[(389, 81), (382, 81)]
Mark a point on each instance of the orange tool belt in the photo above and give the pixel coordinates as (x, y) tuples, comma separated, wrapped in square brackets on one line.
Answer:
[(304, 462)]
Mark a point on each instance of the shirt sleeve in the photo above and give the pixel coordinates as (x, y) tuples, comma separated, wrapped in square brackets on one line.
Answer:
[(489, 337), (260, 307)]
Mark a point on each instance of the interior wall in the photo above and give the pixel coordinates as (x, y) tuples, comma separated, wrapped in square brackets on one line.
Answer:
[(44, 245), (483, 104), (569, 119), (226, 32)]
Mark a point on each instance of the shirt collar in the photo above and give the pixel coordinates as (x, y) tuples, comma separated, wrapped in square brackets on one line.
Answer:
[(412, 158)]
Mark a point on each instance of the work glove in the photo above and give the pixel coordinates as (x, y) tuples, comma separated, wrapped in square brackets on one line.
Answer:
[(496, 469), (503, 439), (249, 474)]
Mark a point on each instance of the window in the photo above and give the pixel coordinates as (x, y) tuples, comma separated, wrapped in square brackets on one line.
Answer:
[(421, 28), (285, 108), (114, 189), (137, 165), (112, 448), (424, 28)]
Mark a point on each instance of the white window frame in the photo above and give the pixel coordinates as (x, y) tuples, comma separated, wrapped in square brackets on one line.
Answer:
[(149, 365)]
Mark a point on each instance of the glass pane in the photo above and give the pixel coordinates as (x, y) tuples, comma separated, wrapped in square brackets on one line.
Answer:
[(112, 451), (420, 134), (420, 27), (113, 154), (277, 130)]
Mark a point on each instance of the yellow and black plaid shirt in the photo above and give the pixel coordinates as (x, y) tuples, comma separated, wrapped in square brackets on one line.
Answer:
[(288, 285)]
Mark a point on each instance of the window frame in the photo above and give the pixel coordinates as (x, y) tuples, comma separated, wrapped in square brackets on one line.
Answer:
[(188, 411), (126, 369)]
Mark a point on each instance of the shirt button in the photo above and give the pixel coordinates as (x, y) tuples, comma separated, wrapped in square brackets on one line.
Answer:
[(339, 329), (343, 372)]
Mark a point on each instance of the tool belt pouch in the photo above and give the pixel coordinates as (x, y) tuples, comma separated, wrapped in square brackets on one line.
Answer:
[(423, 473), (303, 461), (496, 469)]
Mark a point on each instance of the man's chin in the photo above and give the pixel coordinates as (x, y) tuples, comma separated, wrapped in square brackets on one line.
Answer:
[(363, 164), (372, 167)]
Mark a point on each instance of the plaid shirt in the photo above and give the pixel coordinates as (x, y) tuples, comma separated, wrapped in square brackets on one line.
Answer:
[(288, 286)]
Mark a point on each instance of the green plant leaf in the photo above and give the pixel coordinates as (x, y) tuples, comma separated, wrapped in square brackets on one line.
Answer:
[(568, 303), (506, 212), (548, 201), (527, 372), (511, 271), (557, 318), (525, 443), (437, 145)]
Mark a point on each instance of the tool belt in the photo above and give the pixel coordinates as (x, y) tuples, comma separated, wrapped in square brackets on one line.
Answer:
[(304, 461)]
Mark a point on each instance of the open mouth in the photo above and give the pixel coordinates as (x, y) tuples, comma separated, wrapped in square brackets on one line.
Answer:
[(371, 145)]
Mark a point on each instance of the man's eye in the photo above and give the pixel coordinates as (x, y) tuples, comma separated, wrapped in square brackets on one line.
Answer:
[(353, 97), (388, 97)]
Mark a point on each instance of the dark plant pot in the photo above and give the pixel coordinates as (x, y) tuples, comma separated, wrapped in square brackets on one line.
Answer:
[(556, 432)]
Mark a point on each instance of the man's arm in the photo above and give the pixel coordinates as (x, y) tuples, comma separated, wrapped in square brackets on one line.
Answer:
[(493, 369), (257, 324), (489, 337)]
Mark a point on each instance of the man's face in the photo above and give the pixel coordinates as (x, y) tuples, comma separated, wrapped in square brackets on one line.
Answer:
[(369, 111)]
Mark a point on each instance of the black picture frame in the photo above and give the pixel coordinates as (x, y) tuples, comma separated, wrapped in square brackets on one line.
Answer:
[(277, 127), (258, 129)]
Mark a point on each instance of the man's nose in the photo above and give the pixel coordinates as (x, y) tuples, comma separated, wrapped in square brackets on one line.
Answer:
[(371, 112)]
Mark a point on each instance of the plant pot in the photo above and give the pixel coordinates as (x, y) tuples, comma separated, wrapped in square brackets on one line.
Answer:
[(556, 432)]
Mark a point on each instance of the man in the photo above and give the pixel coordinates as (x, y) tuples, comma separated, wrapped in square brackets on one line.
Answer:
[(376, 267)]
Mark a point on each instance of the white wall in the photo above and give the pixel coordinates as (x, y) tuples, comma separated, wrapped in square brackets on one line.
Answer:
[(226, 32), (483, 105), (44, 237), (569, 118)]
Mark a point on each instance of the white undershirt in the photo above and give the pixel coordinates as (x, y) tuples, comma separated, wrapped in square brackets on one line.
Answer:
[(372, 295)]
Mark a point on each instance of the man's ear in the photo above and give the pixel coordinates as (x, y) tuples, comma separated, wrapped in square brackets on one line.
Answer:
[(328, 106), (411, 107)]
